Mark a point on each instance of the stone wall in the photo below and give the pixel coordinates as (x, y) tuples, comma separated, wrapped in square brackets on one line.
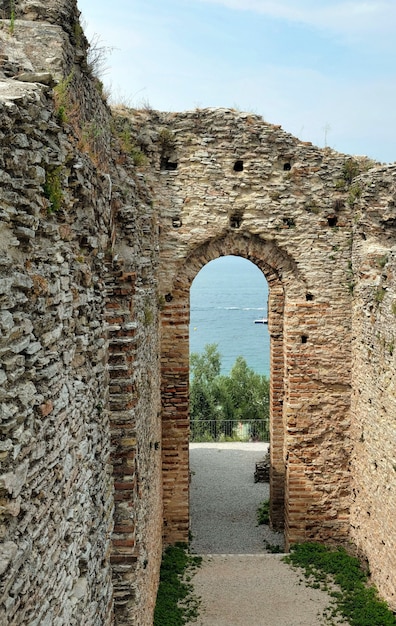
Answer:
[(227, 183), (134, 402), (80, 449), (56, 487), (373, 523)]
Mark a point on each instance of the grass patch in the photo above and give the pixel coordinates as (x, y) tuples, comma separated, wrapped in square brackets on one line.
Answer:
[(127, 146), (176, 604), (263, 513), (355, 600)]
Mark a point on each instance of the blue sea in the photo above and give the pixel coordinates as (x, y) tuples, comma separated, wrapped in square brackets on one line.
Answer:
[(226, 297)]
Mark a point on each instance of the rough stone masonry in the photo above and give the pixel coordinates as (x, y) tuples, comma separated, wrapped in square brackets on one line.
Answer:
[(106, 218)]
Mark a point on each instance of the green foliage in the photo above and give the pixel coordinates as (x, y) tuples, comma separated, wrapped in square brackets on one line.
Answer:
[(355, 191), (355, 601), (12, 17), (205, 367), (176, 605), (166, 139), (78, 34), (91, 140), (382, 261), (273, 548), (127, 145), (379, 295), (148, 315), (53, 189), (340, 184), (243, 395), (350, 170), (263, 513), (204, 391), (138, 157), (62, 98), (311, 207)]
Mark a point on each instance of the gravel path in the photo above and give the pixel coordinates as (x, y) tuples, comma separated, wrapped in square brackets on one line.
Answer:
[(255, 590), (238, 583), (224, 499)]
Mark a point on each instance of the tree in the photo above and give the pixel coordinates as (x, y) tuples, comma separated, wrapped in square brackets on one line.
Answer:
[(204, 369), (223, 400)]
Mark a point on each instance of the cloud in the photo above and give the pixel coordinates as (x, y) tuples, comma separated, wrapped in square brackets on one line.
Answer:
[(346, 17), (179, 60)]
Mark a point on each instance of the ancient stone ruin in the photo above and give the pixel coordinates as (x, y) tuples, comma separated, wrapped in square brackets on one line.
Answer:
[(106, 218)]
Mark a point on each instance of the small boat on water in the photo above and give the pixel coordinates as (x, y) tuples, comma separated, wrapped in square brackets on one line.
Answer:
[(262, 320)]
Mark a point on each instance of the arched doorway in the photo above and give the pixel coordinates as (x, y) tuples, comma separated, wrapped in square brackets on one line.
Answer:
[(227, 297), (229, 407), (175, 381)]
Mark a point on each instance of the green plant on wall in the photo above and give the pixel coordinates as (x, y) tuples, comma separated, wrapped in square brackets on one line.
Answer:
[(137, 156), (379, 295), (12, 17), (62, 98), (311, 207), (90, 141), (53, 188), (355, 191), (166, 139), (128, 147), (350, 170), (148, 316), (382, 261)]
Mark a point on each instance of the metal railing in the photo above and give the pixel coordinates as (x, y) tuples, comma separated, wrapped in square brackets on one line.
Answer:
[(229, 430)]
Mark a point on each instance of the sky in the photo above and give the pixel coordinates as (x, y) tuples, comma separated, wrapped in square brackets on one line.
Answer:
[(323, 69)]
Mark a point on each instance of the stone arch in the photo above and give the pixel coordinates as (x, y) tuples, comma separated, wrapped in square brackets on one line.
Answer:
[(284, 279)]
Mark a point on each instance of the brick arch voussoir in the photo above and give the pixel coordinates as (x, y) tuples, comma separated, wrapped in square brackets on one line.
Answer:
[(277, 265)]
